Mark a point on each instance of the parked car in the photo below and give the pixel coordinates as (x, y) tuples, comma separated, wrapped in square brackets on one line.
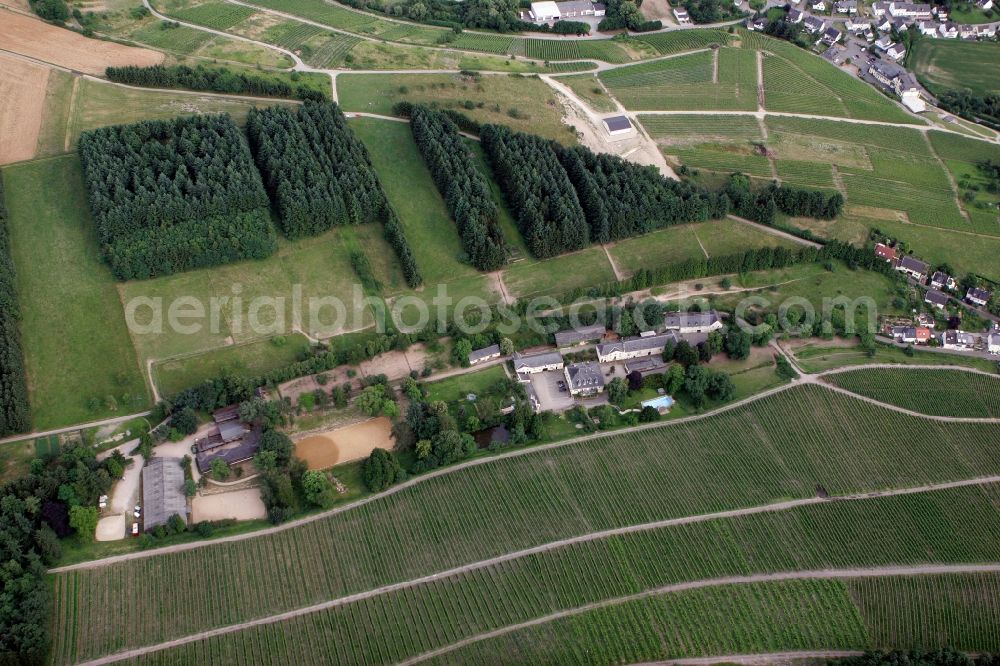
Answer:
[(135, 529)]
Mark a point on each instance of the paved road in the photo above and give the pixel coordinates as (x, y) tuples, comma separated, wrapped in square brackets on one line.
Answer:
[(594, 536), (940, 350)]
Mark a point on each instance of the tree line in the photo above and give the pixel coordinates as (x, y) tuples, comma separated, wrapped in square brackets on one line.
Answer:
[(15, 412), (214, 79), (463, 186), (620, 14), (762, 205), (537, 189), (622, 199), (171, 195), (983, 109)]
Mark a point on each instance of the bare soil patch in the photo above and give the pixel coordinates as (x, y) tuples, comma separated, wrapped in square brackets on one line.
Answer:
[(395, 364), (657, 9), (22, 102), (111, 528), (37, 39), (342, 445), (243, 504)]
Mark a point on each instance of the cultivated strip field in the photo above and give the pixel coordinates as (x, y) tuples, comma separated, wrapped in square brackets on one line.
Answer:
[(39, 40), (22, 101), (941, 392), (748, 456)]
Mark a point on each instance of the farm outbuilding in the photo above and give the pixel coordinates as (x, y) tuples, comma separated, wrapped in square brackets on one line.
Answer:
[(618, 125), (162, 492)]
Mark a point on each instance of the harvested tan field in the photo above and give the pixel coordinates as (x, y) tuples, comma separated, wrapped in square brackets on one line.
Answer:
[(37, 39), (342, 445), (22, 101)]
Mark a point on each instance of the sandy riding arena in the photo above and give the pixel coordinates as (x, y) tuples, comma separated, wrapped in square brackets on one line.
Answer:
[(37, 39), (243, 504), (22, 102), (353, 442)]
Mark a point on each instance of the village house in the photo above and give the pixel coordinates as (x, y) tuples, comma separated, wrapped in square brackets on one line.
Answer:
[(856, 24), (681, 15), (818, 5), (647, 365), (988, 30), (985, 5), (896, 80), (948, 30), (584, 379), (846, 7), (942, 281), (993, 343), (884, 25), (880, 8), (967, 32), (546, 12), (941, 12), (928, 29), (533, 363), (757, 24), (912, 267), (692, 322), (577, 336), (910, 10), (794, 16), (953, 339), (883, 42), (814, 25), (635, 347), (885, 252), (484, 354), (831, 36), (977, 296), (936, 298), (912, 334)]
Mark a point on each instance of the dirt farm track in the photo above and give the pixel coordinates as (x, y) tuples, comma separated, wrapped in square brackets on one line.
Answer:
[(22, 101), (37, 39)]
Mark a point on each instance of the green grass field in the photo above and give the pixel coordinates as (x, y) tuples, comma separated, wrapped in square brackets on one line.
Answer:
[(456, 388), (76, 344), (252, 359), (827, 355), (940, 392), (533, 101), (563, 491), (954, 64)]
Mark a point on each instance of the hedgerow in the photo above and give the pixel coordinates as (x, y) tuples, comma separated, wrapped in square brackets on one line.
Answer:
[(171, 195), (538, 191), (215, 79), (463, 186), (15, 413)]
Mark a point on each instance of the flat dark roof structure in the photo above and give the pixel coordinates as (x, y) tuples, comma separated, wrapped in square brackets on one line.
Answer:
[(162, 491), (232, 453), (617, 123)]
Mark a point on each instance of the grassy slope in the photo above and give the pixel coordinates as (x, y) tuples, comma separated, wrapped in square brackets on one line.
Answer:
[(745, 457), (947, 63), (455, 388), (534, 101), (76, 343), (821, 355), (943, 392)]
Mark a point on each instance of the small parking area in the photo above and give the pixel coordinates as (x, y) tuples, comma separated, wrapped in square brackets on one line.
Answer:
[(546, 385)]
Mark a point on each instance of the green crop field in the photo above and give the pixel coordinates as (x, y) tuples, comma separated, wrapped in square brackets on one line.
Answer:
[(472, 41), (569, 49), (680, 130), (679, 41), (940, 392), (331, 14), (954, 64), (217, 15), (290, 34), (758, 452), (252, 359), (179, 39), (949, 526), (688, 82), (331, 49), (456, 388), (919, 611), (80, 360)]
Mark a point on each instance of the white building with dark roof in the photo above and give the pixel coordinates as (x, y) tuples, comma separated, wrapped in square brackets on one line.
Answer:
[(637, 347), (936, 298), (692, 322), (618, 126), (537, 362), (584, 379), (977, 296), (993, 343), (580, 335), (484, 354), (814, 25), (912, 267)]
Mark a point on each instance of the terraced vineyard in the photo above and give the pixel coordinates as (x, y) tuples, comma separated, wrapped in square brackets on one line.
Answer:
[(291, 34), (908, 530), (748, 456), (569, 49), (681, 130), (330, 51), (472, 41), (688, 82), (805, 174), (217, 15), (940, 392), (180, 39), (678, 41)]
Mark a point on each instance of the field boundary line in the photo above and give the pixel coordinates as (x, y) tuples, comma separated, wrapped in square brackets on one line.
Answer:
[(760, 658), (816, 574)]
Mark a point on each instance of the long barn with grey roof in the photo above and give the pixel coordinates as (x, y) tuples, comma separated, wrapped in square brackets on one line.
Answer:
[(627, 348), (162, 492)]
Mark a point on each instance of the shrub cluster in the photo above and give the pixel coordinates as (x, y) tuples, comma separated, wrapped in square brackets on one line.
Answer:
[(463, 186), (15, 415), (172, 195), (215, 79), (622, 199), (983, 109), (538, 191)]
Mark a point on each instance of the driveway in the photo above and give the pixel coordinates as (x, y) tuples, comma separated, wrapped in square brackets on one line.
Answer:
[(547, 389)]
